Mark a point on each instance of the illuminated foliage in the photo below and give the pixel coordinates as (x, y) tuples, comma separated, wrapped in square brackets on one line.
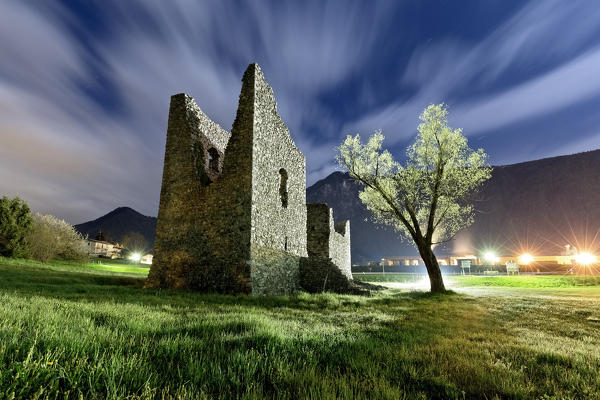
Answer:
[(427, 198), (52, 237)]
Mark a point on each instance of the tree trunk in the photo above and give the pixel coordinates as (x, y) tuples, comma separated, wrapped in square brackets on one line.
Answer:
[(433, 269)]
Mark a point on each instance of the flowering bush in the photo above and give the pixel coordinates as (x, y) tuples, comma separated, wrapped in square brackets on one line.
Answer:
[(53, 237)]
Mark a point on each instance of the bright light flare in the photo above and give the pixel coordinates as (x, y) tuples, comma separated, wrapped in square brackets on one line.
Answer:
[(585, 258), (135, 257), (525, 259), (490, 257)]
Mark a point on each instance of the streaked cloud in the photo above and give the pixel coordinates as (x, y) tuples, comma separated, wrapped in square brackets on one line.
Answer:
[(572, 82), (473, 79)]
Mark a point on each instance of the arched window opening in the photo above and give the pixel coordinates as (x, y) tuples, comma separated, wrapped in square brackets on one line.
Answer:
[(283, 192), (213, 160)]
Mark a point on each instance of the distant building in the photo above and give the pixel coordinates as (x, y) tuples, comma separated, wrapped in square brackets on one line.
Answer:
[(147, 259), (100, 248), (569, 256), (464, 259), (532, 260), (401, 261), (407, 261)]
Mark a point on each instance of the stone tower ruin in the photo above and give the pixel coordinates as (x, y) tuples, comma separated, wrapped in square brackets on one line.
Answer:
[(233, 216)]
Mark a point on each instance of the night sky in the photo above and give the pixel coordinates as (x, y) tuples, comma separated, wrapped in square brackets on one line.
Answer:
[(85, 87)]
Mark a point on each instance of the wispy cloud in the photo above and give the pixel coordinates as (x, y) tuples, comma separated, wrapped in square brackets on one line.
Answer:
[(572, 82), (540, 36)]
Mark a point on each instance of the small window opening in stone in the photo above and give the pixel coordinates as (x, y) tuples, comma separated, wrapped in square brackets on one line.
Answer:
[(285, 246), (213, 159), (283, 193)]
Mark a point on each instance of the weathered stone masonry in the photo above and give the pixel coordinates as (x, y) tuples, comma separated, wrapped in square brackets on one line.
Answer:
[(326, 240), (328, 264), (232, 214)]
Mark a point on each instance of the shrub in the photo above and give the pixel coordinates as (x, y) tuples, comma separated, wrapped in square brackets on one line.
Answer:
[(15, 225), (53, 237)]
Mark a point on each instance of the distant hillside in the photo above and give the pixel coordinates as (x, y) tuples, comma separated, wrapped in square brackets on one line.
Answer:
[(537, 206), (119, 222)]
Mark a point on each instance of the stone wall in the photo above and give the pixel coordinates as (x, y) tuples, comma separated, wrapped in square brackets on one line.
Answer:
[(278, 197), (318, 229), (318, 274), (326, 240), (339, 246), (203, 228)]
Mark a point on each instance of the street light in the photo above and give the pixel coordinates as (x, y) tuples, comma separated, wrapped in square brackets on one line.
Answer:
[(525, 259), (585, 258), (135, 257), (490, 257)]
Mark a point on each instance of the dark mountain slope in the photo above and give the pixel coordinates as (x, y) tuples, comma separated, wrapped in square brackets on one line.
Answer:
[(120, 222), (537, 206)]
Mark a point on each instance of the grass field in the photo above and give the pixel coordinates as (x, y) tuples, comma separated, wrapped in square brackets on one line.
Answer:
[(69, 331), (501, 280), (106, 266)]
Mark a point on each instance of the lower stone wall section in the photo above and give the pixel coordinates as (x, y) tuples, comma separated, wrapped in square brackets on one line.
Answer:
[(322, 275), (273, 272), (317, 229), (339, 247), (324, 240)]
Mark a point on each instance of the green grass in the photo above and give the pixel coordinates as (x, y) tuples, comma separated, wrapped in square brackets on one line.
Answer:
[(528, 281), (388, 277), (69, 331), (113, 267), (515, 281)]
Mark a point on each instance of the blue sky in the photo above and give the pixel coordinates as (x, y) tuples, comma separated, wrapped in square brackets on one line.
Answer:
[(85, 86)]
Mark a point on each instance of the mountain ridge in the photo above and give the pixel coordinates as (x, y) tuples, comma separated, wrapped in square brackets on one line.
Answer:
[(118, 223)]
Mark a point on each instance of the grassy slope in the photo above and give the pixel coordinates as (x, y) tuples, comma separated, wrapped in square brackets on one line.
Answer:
[(98, 335)]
